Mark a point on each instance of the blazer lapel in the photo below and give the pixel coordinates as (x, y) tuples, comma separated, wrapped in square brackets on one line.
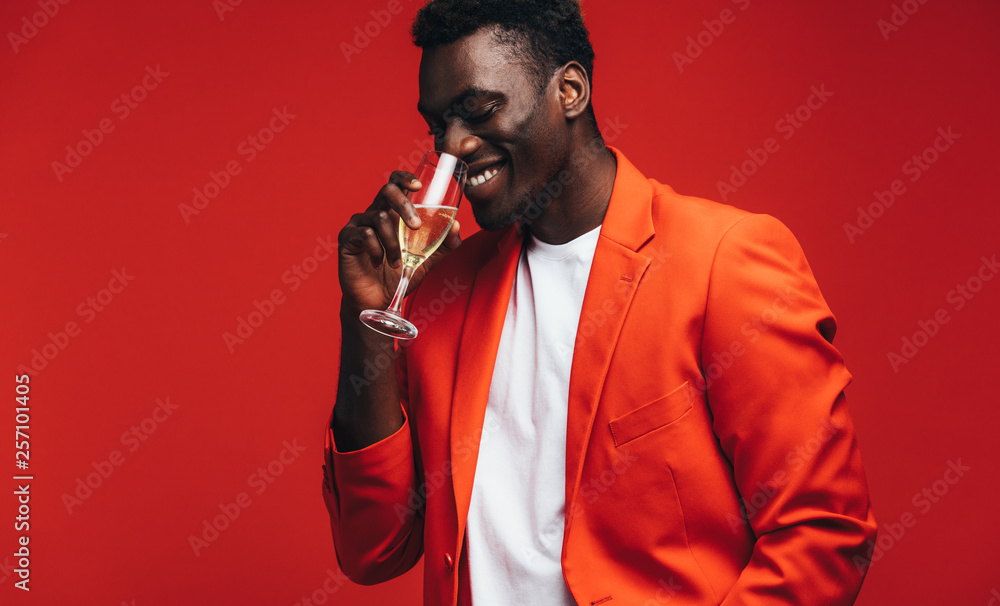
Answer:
[(614, 277), (477, 354), (615, 274)]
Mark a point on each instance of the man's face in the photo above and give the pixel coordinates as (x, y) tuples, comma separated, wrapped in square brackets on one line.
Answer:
[(485, 108)]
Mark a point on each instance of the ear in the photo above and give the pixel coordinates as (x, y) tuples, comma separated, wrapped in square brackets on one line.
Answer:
[(574, 89)]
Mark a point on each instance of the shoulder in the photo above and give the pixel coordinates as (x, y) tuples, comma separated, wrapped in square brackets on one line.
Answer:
[(704, 225), (691, 214)]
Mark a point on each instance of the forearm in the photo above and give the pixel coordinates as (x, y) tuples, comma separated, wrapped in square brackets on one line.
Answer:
[(370, 467), (367, 407), (377, 527)]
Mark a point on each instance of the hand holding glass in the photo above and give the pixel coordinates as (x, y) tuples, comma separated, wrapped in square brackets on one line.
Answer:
[(443, 178)]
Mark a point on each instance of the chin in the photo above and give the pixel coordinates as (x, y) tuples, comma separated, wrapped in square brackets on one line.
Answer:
[(495, 219)]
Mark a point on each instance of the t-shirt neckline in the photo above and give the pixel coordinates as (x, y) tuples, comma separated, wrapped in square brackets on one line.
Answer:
[(558, 252)]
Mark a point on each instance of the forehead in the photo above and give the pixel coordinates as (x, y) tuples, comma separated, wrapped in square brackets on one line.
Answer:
[(477, 62)]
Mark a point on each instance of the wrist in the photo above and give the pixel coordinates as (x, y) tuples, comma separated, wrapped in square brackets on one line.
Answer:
[(352, 330)]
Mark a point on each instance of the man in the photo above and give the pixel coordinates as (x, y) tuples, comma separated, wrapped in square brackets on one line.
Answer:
[(619, 395)]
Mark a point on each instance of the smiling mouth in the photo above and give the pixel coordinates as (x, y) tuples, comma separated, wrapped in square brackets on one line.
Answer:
[(485, 175)]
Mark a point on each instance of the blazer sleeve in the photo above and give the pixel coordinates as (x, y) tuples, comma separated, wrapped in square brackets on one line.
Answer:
[(376, 515), (781, 419)]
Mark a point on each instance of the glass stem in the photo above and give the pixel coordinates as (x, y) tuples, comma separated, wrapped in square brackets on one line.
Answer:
[(404, 281)]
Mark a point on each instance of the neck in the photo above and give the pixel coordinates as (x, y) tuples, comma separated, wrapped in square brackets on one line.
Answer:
[(583, 202)]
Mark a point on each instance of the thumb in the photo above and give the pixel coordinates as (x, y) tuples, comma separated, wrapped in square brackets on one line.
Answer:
[(453, 240)]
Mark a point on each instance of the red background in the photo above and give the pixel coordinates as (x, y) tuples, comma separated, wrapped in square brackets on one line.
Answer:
[(162, 336)]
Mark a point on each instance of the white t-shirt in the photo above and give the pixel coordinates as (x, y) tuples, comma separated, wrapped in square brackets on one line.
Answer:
[(517, 512)]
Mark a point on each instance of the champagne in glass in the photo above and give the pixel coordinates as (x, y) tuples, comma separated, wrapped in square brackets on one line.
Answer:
[(418, 244), (443, 178)]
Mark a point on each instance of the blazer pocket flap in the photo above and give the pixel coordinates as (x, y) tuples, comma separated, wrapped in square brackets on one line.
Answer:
[(654, 415)]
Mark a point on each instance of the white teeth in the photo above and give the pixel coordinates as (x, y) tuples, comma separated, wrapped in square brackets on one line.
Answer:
[(483, 177)]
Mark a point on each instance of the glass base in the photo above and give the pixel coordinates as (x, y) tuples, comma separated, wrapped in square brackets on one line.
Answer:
[(388, 323)]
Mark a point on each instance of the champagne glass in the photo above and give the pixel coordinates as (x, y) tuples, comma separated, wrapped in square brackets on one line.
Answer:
[(443, 178)]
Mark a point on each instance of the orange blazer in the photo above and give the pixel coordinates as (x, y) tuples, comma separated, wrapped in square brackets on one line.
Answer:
[(710, 456)]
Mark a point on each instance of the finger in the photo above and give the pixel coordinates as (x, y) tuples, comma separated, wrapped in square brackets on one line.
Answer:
[(394, 195), (385, 223), (373, 247), (453, 240), (362, 240), (391, 197), (405, 180), (450, 243)]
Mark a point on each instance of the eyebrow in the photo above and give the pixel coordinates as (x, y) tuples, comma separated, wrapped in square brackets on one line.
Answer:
[(472, 91)]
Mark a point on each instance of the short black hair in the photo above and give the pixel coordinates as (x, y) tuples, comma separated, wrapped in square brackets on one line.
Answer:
[(546, 34)]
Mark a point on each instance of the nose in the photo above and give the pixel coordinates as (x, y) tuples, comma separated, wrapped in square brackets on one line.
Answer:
[(459, 141)]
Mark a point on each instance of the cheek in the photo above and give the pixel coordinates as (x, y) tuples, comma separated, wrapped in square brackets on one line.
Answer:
[(537, 149), (541, 158), (536, 143)]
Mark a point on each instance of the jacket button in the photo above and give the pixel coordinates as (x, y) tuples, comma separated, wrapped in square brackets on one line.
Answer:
[(449, 561)]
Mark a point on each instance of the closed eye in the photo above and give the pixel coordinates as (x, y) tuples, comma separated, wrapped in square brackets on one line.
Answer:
[(478, 118), (484, 115)]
